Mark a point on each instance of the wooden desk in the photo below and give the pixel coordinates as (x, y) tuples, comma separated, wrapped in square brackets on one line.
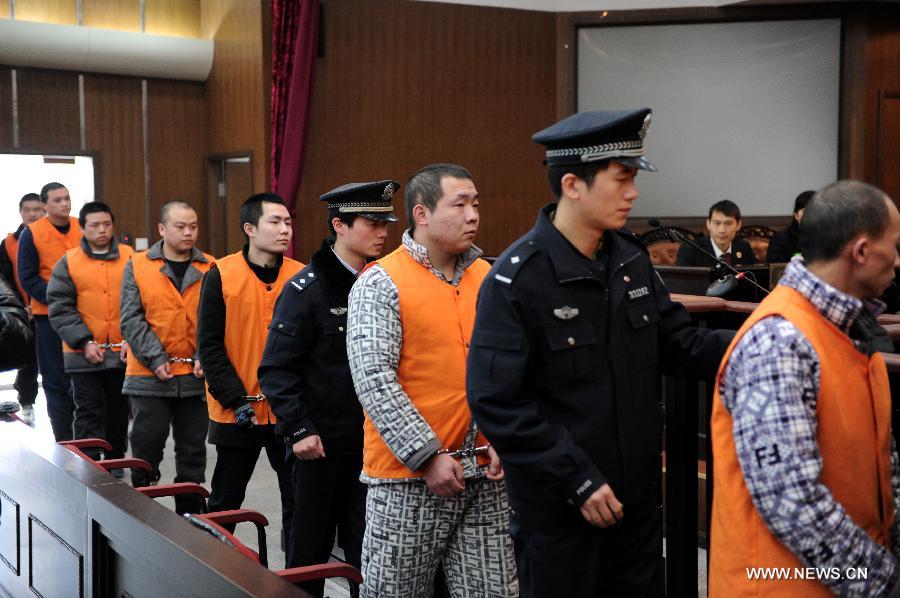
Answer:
[(69, 529)]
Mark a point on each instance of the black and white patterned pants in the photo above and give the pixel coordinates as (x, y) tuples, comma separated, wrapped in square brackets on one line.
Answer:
[(410, 532)]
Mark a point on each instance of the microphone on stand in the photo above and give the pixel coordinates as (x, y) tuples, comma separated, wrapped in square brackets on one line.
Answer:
[(729, 276)]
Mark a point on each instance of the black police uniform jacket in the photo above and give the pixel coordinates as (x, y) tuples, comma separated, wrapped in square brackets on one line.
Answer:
[(563, 371), (304, 371)]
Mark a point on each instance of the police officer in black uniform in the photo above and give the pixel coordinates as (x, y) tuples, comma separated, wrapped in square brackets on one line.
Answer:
[(572, 332), (304, 373)]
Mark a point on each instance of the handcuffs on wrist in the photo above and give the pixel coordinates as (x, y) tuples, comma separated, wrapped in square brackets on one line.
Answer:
[(465, 452), (243, 415), (109, 345), (181, 360)]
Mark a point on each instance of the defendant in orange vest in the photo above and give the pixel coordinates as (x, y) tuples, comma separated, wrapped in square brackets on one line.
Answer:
[(30, 210), (84, 310), (806, 478), (160, 294), (236, 304), (409, 326), (41, 245)]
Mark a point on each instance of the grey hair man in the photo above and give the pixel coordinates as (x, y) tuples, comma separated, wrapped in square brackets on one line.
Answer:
[(805, 470)]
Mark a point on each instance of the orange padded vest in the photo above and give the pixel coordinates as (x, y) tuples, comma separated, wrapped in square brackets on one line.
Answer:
[(11, 244), (437, 321), (98, 283), (249, 304), (51, 245), (853, 412), (171, 315)]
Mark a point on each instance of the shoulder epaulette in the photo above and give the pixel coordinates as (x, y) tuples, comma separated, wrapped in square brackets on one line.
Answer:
[(304, 278), (505, 269)]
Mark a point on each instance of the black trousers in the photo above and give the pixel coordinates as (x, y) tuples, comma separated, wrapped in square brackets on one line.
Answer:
[(624, 560), (101, 411), (56, 383), (327, 496), (26, 383), (234, 467), (189, 421)]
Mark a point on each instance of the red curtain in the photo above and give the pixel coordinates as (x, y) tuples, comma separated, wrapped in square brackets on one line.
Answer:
[(295, 25)]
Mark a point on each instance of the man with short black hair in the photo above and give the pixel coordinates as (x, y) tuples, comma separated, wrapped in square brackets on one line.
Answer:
[(236, 303), (408, 328), (722, 224), (41, 244), (574, 328), (159, 299), (306, 376), (83, 299), (806, 474), (30, 210), (785, 244)]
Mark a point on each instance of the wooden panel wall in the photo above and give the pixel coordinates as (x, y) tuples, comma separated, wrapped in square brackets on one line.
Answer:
[(406, 84), (177, 167), (48, 110), (883, 75), (123, 15), (172, 17), (114, 130), (6, 120), (63, 12), (237, 91)]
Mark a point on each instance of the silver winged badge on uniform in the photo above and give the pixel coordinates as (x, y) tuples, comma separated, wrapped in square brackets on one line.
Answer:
[(338, 311), (565, 312)]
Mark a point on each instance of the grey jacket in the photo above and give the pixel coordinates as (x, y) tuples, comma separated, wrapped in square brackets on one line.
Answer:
[(144, 344), (62, 301)]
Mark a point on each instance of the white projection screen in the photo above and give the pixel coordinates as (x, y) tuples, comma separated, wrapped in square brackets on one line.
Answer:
[(746, 111)]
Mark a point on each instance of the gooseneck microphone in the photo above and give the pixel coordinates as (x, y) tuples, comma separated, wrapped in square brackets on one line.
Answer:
[(729, 275)]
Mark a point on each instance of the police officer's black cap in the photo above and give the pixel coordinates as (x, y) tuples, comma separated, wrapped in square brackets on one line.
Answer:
[(599, 135), (370, 200)]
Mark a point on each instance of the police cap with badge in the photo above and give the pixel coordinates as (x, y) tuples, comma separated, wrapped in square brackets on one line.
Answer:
[(370, 200), (598, 135)]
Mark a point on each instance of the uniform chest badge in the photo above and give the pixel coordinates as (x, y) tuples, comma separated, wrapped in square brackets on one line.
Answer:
[(638, 293), (565, 312), (338, 311)]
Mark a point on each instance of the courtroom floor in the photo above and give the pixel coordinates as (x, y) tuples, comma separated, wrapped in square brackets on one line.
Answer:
[(262, 495)]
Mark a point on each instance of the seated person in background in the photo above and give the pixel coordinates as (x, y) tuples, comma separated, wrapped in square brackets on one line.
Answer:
[(759, 237), (786, 243), (663, 251), (723, 222)]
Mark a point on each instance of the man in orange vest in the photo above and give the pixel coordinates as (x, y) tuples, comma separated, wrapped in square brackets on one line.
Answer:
[(160, 295), (83, 296), (435, 492), (41, 244), (306, 377), (806, 474), (236, 303), (30, 210)]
